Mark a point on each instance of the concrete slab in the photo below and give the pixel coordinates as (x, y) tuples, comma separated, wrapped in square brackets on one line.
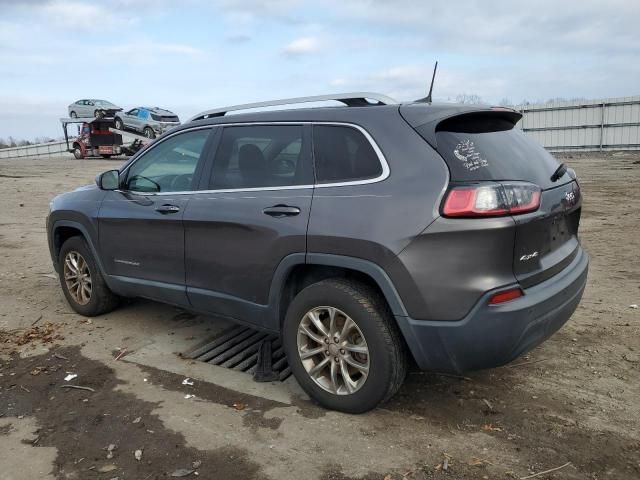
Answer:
[(162, 352)]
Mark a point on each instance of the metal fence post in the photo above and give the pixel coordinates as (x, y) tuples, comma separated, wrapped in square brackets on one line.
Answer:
[(602, 127)]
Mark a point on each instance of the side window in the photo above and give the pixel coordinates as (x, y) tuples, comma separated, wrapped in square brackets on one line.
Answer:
[(343, 154), (144, 114), (256, 156), (169, 166)]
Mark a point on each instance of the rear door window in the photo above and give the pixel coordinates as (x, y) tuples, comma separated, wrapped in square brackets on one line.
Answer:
[(261, 156), (343, 154), (481, 149)]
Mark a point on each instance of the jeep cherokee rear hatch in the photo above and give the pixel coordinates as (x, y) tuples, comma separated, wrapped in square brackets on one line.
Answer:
[(496, 170)]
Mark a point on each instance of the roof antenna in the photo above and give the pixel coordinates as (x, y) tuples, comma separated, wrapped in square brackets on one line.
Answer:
[(428, 99)]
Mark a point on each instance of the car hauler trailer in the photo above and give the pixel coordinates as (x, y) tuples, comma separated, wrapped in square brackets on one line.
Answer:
[(97, 137)]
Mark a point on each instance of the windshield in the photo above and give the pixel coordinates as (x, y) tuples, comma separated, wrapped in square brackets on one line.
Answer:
[(104, 103)]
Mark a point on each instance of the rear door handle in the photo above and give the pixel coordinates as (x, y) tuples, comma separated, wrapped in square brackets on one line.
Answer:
[(279, 211), (166, 209)]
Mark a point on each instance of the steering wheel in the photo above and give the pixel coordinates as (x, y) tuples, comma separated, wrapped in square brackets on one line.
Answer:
[(181, 183), (283, 166)]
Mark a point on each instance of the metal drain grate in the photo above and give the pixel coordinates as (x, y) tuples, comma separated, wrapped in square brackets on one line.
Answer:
[(237, 349)]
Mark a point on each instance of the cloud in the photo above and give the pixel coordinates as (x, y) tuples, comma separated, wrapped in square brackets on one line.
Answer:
[(302, 46), (146, 51), (83, 15), (238, 38), (495, 26)]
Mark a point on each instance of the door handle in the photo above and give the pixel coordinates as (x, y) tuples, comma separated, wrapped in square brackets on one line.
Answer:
[(280, 211), (166, 208)]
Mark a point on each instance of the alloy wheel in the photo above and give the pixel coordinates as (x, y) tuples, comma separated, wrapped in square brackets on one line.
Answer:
[(333, 350), (77, 277)]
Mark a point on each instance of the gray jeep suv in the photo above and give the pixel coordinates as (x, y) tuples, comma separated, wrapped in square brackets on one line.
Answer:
[(366, 235)]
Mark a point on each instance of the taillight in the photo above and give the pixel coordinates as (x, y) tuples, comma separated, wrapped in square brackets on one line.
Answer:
[(506, 295), (491, 199)]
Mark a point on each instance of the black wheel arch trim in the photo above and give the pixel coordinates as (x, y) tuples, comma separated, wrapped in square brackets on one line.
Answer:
[(87, 237), (366, 267)]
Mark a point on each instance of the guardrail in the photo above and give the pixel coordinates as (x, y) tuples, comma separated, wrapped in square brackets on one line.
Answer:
[(595, 125), (49, 149)]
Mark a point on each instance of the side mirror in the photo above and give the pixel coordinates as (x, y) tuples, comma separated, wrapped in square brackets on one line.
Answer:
[(109, 180)]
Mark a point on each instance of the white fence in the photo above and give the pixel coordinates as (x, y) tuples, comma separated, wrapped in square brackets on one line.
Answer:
[(607, 124), (49, 149)]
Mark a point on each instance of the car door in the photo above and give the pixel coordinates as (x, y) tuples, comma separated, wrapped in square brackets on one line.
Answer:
[(142, 119), (252, 213), (141, 232), (82, 108), (130, 118)]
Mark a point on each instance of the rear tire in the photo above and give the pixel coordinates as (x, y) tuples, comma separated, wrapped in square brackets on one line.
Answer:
[(374, 376), (82, 283), (77, 152), (149, 133)]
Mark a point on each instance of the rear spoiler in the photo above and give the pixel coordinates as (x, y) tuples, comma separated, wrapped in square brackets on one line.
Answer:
[(433, 118)]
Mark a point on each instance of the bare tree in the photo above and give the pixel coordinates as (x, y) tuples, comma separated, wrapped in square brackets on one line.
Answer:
[(468, 98)]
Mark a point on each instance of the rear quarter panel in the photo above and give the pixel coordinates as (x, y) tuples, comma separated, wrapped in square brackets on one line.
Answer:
[(377, 221)]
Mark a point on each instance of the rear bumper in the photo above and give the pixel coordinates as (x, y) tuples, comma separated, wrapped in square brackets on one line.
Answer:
[(493, 335)]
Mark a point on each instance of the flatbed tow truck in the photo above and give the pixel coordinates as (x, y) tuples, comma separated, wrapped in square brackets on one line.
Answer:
[(98, 137)]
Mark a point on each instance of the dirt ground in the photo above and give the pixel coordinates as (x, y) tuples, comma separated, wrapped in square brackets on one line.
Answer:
[(573, 402)]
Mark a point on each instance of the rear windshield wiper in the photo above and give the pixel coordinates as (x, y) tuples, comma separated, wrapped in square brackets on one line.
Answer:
[(560, 171)]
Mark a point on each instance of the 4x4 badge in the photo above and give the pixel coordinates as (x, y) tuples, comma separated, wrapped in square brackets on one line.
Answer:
[(528, 256)]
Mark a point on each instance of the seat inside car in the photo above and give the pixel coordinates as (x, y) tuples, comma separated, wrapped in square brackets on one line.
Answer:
[(253, 166)]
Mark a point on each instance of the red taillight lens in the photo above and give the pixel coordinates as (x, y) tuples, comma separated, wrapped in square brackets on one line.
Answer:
[(491, 200), (505, 296)]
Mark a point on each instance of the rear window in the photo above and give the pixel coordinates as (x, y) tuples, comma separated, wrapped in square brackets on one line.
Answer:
[(492, 149), (343, 154), (164, 118)]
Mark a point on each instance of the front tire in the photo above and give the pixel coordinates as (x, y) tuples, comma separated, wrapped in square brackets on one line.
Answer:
[(82, 283), (73, 115), (343, 345), (98, 114), (118, 124)]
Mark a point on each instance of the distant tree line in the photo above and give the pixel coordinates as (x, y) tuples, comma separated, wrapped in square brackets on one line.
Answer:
[(506, 102), (11, 142)]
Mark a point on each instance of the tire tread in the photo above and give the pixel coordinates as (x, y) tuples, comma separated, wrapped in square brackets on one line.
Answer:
[(372, 301)]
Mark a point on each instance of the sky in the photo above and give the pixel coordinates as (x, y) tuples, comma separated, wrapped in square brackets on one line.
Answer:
[(192, 55)]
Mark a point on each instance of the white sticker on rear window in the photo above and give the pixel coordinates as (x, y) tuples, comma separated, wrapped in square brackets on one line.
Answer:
[(466, 152)]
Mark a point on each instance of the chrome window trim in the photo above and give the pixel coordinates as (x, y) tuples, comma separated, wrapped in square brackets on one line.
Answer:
[(381, 158)]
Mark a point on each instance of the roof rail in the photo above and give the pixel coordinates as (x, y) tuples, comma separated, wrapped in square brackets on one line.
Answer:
[(356, 99)]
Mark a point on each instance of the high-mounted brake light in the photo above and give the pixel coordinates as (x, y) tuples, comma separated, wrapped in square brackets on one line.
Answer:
[(491, 199), (506, 295)]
